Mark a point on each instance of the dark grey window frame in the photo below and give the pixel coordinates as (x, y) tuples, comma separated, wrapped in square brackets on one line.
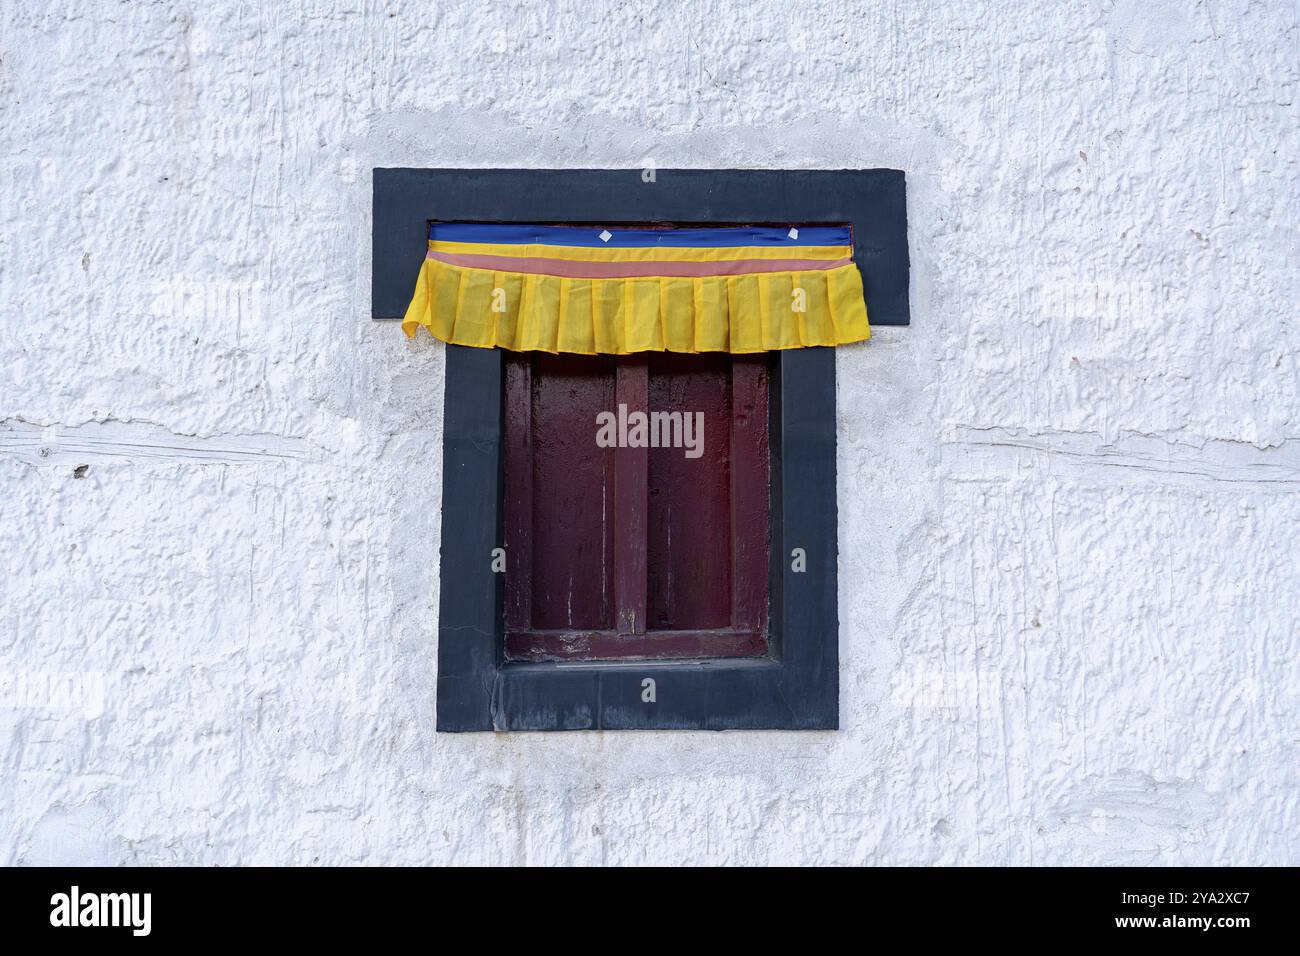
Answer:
[(796, 687)]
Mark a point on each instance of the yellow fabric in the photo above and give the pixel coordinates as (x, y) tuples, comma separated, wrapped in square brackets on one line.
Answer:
[(737, 314)]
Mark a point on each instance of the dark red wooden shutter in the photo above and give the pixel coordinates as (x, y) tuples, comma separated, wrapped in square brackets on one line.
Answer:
[(635, 552)]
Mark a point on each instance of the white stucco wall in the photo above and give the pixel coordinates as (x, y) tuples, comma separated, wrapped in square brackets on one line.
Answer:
[(1069, 493)]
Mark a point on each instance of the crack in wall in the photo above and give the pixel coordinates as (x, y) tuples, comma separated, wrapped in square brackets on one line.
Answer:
[(990, 453), (37, 444)]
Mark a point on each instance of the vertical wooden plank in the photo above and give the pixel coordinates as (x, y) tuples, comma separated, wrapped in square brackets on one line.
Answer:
[(689, 512), (519, 491), (750, 463), (631, 392), (572, 494)]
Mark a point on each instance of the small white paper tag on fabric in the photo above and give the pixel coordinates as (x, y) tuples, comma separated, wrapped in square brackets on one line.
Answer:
[(606, 235), (794, 233)]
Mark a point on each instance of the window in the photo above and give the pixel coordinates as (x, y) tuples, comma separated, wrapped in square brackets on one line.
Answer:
[(637, 506), (659, 625)]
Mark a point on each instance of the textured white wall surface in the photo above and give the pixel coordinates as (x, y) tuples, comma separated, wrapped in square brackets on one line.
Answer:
[(1069, 493)]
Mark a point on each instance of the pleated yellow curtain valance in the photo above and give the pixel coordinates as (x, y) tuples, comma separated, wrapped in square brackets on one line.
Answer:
[(611, 291)]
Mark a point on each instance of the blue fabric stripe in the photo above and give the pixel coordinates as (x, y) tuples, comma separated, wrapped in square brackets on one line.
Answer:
[(589, 236)]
